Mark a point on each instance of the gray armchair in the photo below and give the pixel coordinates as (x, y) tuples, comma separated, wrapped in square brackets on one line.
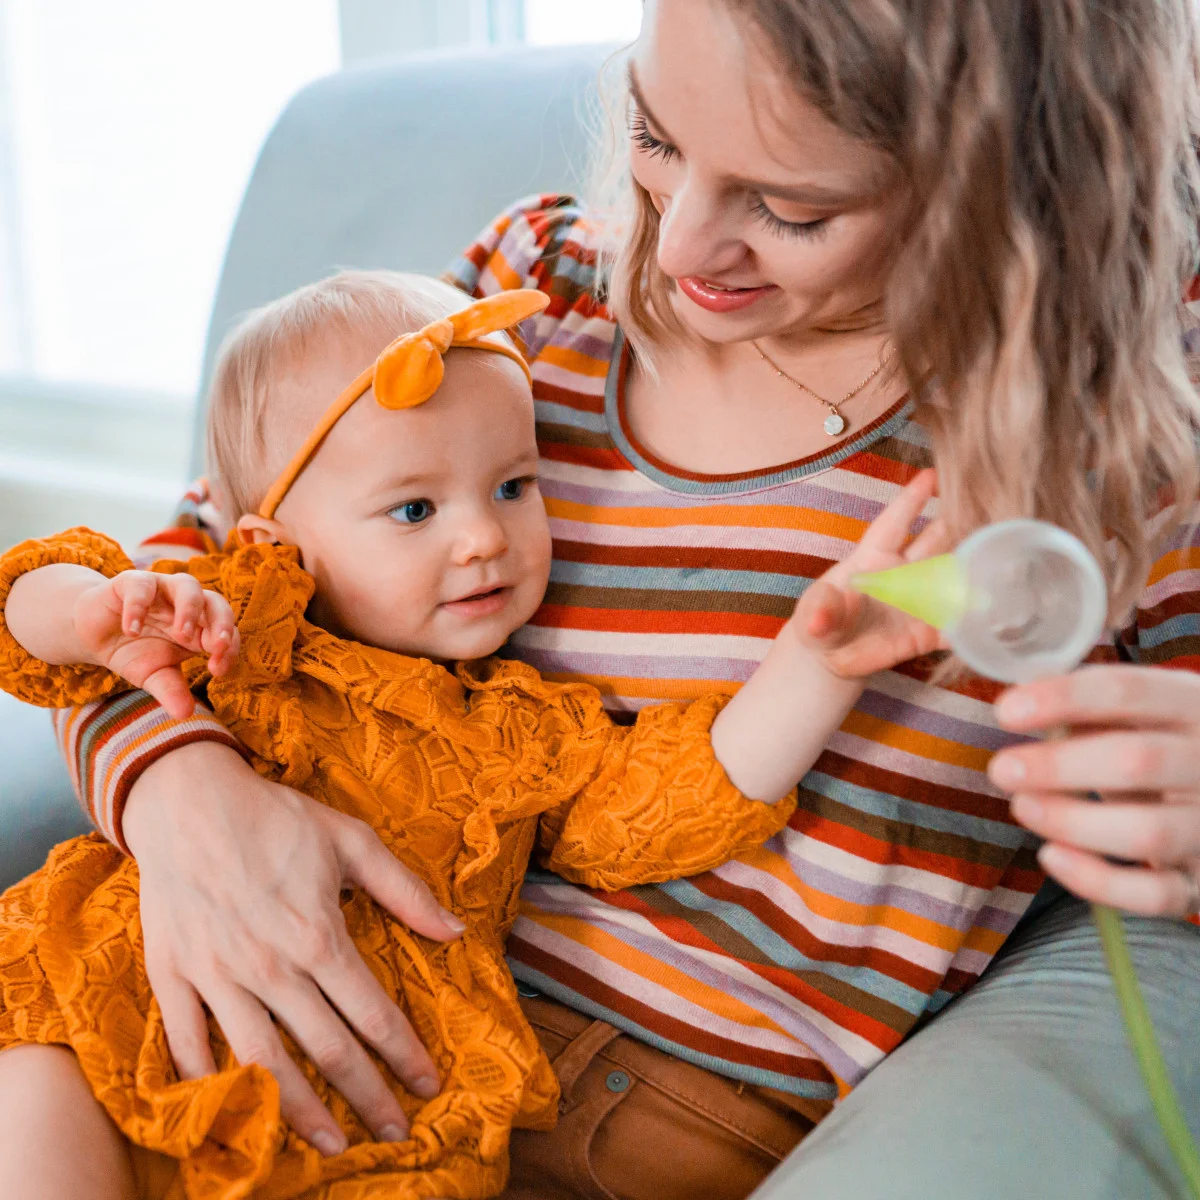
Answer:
[(395, 164)]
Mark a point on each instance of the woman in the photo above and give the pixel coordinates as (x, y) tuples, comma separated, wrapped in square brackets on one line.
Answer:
[(859, 234)]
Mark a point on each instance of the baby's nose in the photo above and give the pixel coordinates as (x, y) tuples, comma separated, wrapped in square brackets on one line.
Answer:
[(481, 537)]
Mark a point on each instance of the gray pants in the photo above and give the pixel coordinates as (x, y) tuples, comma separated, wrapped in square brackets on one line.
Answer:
[(1024, 1087)]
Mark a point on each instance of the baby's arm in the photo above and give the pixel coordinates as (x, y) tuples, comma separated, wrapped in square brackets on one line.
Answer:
[(774, 729), (691, 786), (70, 601)]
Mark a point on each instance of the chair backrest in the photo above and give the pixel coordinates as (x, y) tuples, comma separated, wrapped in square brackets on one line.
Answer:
[(399, 164)]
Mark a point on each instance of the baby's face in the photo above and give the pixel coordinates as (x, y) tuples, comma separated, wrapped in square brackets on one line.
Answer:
[(424, 528)]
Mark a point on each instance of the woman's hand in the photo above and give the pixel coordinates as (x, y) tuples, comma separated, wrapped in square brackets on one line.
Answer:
[(853, 635), (240, 880), (1135, 740)]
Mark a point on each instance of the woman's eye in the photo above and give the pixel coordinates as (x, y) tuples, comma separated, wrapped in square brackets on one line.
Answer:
[(789, 229), (414, 512), (513, 489), (639, 130)]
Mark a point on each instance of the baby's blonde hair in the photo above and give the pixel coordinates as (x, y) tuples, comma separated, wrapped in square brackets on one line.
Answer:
[(257, 353)]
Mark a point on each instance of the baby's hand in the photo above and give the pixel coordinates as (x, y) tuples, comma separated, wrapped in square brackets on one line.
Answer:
[(142, 625), (853, 635)]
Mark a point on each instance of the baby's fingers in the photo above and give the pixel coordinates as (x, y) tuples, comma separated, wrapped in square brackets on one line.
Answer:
[(219, 636), (187, 598), (167, 686), (890, 530), (136, 591), (825, 616)]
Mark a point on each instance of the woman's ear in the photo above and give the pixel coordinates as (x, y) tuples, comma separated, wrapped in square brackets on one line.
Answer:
[(254, 530)]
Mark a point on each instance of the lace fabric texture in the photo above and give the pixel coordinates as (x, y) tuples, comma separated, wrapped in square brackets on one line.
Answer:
[(464, 776)]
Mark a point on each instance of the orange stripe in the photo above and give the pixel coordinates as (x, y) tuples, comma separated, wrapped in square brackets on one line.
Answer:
[(854, 916), (766, 516), (914, 741), (648, 689), (643, 966), (574, 361), (505, 275), (1187, 558)]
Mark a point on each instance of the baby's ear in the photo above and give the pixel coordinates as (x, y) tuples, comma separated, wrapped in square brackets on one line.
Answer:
[(254, 530)]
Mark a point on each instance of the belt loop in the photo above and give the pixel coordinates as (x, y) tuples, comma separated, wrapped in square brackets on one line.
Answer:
[(576, 1055)]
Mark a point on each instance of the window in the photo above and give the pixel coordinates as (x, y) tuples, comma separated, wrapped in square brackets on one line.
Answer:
[(128, 130)]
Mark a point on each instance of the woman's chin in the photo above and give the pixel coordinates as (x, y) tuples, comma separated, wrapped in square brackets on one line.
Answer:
[(762, 320)]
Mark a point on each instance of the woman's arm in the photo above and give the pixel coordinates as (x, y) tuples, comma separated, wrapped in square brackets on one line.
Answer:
[(240, 886)]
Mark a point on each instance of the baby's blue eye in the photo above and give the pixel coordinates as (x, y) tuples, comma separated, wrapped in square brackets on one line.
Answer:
[(512, 489), (414, 512)]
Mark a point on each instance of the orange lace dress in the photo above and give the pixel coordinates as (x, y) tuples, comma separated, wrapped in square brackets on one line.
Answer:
[(464, 774)]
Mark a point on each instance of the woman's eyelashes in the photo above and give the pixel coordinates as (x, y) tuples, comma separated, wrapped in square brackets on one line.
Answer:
[(788, 229), (645, 141), (656, 148)]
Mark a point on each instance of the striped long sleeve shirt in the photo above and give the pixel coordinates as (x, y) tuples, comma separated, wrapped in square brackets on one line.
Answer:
[(799, 965)]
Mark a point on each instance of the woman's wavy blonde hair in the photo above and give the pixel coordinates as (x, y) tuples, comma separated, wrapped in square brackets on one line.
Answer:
[(1036, 300)]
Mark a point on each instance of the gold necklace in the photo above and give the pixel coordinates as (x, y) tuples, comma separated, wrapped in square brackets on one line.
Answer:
[(835, 423)]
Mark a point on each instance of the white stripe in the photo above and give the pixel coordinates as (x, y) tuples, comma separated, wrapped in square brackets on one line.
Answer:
[(663, 1000), (1177, 583), (860, 870), (649, 645), (838, 933), (934, 699), (891, 758), (741, 537), (568, 380)]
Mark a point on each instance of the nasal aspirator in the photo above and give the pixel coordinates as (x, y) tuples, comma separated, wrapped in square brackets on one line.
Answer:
[(1018, 601)]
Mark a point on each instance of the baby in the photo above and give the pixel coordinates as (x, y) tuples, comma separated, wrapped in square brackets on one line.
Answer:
[(386, 546)]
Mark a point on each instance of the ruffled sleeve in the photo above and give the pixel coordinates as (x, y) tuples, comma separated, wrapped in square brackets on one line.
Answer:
[(258, 699), (28, 678), (642, 803), (659, 805)]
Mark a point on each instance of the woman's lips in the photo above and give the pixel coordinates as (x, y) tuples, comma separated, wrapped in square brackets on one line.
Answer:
[(480, 604), (718, 298)]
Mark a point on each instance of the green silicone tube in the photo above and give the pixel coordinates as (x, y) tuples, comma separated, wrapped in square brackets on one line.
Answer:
[(1145, 1046)]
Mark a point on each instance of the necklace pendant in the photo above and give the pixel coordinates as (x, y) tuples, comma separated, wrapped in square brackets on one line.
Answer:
[(835, 423)]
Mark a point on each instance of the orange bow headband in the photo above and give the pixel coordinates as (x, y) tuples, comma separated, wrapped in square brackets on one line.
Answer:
[(410, 369)]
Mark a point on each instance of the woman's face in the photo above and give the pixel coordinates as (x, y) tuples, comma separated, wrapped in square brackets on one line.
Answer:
[(774, 223)]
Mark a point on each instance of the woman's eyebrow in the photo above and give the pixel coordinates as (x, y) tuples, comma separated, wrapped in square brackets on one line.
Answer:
[(639, 98), (814, 195)]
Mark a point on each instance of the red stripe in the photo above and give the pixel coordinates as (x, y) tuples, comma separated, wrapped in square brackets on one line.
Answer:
[(619, 620)]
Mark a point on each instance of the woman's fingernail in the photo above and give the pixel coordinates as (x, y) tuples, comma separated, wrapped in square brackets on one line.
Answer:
[(1007, 771), (135, 627), (426, 1086), (328, 1143), (451, 921), (188, 629), (1016, 707), (391, 1133), (1050, 858), (1026, 809)]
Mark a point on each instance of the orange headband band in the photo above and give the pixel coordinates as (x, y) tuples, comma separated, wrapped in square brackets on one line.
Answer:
[(410, 370)]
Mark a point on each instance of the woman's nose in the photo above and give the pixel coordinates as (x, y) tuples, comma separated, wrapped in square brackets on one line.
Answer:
[(695, 235)]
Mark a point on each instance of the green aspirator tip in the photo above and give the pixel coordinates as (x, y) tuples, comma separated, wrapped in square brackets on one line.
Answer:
[(1017, 600)]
